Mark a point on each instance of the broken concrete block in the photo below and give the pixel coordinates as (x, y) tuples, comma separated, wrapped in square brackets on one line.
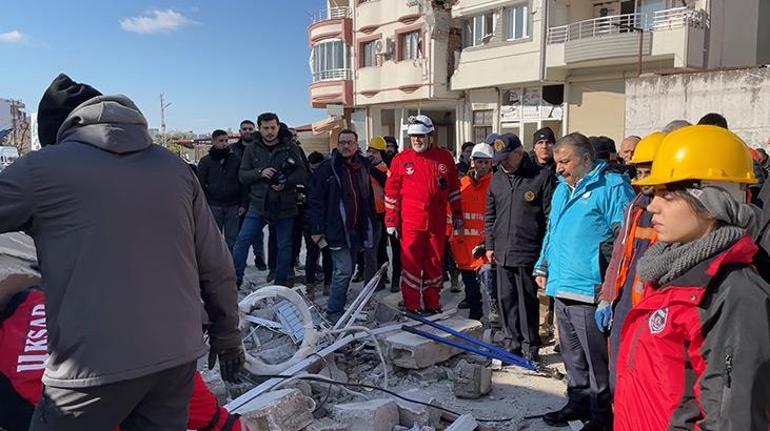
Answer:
[(471, 380), (431, 375), (326, 424), (410, 414), (408, 350), (463, 423), (374, 415), (384, 313), (282, 410)]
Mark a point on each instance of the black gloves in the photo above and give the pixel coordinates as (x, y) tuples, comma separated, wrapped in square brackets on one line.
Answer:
[(230, 362)]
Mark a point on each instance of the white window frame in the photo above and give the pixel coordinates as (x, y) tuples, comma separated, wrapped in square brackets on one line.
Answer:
[(411, 45), (472, 25), (510, 22), (320, 66)]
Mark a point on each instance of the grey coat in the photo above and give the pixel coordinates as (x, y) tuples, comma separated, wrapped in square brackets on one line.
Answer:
[(127, 248)]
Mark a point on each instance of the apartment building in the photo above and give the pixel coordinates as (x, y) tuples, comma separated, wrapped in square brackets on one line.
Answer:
[(478, 66)]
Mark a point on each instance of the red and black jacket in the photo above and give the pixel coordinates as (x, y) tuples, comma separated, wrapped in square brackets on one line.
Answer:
[(695, 353)]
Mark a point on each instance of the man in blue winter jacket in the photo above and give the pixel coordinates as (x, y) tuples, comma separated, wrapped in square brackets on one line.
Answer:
[(586, 213)]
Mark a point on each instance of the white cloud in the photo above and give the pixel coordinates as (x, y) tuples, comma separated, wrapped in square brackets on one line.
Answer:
[(156, 21), (14, 36)]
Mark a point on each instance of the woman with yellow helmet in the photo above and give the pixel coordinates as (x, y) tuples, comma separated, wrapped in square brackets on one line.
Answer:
[(695, 351)]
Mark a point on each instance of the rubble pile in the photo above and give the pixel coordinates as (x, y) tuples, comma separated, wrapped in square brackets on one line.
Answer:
[(333, 387)]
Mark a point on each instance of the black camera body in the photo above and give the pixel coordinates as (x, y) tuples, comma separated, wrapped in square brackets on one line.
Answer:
[(282, 174)]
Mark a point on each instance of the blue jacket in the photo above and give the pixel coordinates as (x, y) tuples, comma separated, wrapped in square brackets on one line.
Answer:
[(581, 220)]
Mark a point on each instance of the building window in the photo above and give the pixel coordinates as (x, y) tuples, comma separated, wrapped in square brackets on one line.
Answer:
[(479, 29), (516, 22), (482, 124), (411, 45), (369, 54), (330, 60)]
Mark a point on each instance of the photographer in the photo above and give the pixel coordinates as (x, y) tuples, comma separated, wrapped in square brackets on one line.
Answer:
[(272, 168)]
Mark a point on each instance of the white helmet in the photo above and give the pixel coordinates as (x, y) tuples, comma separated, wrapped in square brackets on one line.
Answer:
[(482, 151), (420, 125)]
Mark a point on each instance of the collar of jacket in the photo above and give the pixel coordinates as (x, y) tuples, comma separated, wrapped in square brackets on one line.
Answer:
[(740, 253), (337, 161), (480, 182), (282, 142), (591, 177), (111, 123)]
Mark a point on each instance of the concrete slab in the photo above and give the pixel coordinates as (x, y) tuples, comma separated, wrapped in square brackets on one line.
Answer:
[(471, 380), (373, 415), (408, 350), (412, 413), (282, 410), (463, 423)]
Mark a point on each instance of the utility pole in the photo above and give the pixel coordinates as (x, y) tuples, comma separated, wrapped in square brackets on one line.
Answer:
[(163, 106)]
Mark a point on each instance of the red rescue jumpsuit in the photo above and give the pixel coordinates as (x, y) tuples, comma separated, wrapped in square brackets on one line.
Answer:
[(416, 195)]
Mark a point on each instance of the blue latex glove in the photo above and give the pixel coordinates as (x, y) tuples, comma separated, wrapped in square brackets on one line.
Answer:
[(603, 316)]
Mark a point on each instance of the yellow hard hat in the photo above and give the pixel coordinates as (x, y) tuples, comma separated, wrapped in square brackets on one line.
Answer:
[(377, 143), (701, 153), (647, 147)]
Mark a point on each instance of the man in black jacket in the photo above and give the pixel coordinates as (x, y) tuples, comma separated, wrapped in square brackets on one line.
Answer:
[(518, 203), (341, 213), (130, 254), (272, 167), (218, 175), (247, 132)]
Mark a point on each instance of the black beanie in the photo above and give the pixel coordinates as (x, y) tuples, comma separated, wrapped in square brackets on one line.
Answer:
[(59, 100)]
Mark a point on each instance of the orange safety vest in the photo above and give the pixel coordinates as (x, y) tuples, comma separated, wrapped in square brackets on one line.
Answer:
[(474, 203), (636, 232), (379, 191)]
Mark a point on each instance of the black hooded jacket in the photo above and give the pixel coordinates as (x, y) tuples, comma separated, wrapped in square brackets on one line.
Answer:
[(218, 175)]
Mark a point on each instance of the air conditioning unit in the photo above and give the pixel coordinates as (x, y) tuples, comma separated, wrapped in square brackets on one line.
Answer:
[(385, 47)]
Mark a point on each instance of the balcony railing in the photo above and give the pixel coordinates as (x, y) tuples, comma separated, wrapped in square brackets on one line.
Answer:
[(667, 19), (332, 13), (333, 75)]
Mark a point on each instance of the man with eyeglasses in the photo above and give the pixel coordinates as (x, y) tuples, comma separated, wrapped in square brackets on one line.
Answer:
[(340, 214), (423, 180)]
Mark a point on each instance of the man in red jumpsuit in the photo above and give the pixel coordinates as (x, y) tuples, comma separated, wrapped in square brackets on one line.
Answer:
[(422, 180), (23, 344)]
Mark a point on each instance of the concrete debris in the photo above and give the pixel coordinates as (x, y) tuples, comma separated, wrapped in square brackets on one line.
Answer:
[(430, 375), (463, 423), (471, 380), (410, 414), (374, 415), (327, 424), (282, 410), (413, 351)]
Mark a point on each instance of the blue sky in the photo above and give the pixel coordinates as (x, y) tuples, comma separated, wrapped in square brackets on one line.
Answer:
[(217, 62)]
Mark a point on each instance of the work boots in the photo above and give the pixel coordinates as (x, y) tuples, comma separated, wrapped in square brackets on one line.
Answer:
[(454, 279)]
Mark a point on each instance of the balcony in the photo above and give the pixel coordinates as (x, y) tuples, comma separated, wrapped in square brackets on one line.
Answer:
[(332, 87), (331, 23), (676, 36), (332, 13)]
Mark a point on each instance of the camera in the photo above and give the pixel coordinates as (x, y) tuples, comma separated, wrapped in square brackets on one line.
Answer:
[(282, 174)]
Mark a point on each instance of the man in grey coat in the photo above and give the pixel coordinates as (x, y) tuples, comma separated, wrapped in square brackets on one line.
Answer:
[(129, 253)]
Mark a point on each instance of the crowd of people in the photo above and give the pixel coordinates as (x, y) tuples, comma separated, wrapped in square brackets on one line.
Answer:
[(654, 258)]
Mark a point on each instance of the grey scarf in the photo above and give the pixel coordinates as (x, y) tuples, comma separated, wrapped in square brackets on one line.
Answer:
[(663, 262)]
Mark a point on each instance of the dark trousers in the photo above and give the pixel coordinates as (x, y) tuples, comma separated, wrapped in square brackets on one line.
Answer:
[(15, 411), (584, 350), (395, 264), (519, 306), (159, 402), (311, 262), (272, 247), (370, 255), (472, 293), (228, 223)]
